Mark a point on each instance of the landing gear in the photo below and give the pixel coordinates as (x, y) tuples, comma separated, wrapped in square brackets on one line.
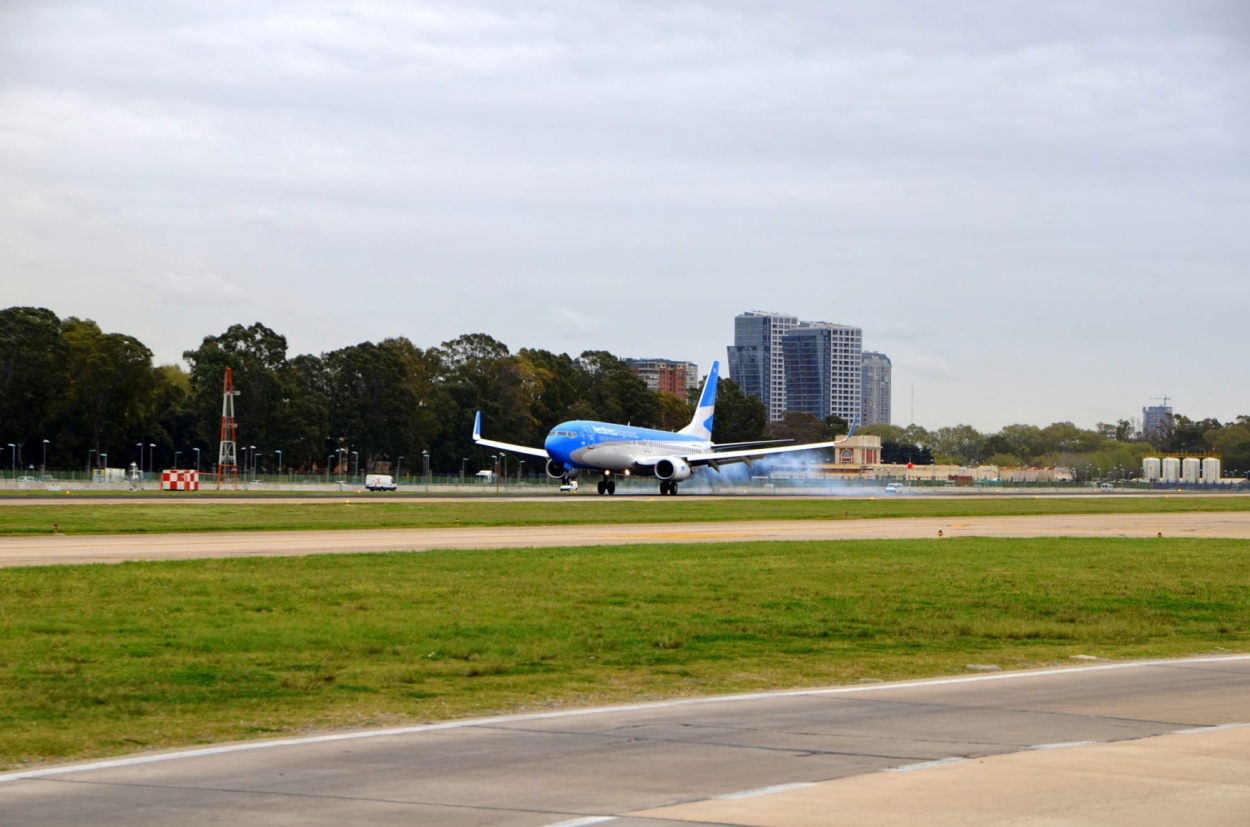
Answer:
[(668, 487), (607, 487)]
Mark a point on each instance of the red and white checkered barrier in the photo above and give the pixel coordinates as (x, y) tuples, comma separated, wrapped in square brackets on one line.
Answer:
[(180, 480)]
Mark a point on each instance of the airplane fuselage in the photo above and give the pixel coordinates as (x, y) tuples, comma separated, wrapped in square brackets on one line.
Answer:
[(606, 446)]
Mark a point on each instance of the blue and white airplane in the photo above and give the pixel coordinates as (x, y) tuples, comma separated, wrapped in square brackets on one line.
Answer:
[(671, 457)]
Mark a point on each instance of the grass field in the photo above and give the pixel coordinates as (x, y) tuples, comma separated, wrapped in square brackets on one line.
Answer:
[(127, 516), (100, 660)]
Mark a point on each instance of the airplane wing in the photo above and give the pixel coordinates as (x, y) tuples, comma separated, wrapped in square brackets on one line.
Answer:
[(725, 446), (504, 446), (715, 458)]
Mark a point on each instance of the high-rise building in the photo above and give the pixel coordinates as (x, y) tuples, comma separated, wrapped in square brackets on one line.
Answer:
[(1156, 421), (666, 375), (877, 389), (824, 369), (757, 359)]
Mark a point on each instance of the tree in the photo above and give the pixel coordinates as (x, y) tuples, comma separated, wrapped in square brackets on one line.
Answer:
[(958, 445), (114, 392), (269, 408), (32, 373), (739, 418), (798, 427)]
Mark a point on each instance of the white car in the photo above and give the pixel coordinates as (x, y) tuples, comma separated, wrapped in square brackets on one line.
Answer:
[(894, 488)]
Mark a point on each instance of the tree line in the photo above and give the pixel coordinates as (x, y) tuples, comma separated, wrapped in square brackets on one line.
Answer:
[(77, 394)]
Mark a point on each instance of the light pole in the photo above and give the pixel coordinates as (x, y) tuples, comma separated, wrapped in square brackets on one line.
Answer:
[(252, 448), (43, 471), (151, 456), (91, 459), (340, 452), (355, 464), (520, 474), (176, 455), (279, 453), (399, 470), (329, 462), (197, 459), (139, 445), (463, 463), (13, 458), (425, 458), (104, 462)]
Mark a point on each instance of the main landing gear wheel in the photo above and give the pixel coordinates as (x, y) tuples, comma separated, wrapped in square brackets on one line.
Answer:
[(607, 487), (668, 487)]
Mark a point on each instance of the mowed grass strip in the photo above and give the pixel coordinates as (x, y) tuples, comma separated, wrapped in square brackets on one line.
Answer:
[(100, 660), (190, 515)]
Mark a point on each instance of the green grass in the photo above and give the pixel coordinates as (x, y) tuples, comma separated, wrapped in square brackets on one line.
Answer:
[(191, 515), (100, 660)]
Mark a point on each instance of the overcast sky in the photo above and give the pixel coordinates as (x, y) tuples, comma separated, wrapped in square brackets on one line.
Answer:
[(1039, 210)]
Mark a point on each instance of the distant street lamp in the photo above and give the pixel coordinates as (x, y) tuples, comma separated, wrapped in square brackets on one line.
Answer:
[(151, 456), (139, 445), (399, 469), (329, 462), (279, 453), (90, 459), (251, 448), (44, 468), (176, 455), (425, 457), (520, 474), (463, 463), (197, 459), (355, 464), (13, 458), (104, 461)]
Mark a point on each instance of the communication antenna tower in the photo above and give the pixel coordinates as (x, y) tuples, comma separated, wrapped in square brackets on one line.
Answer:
[(228, 454)]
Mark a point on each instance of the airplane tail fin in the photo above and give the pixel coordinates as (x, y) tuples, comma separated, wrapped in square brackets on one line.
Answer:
[(701, 425)]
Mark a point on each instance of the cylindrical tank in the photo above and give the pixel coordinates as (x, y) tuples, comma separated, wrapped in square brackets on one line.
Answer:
[(1211, 471), (1150, 469), (1191, 470), (1171, 469)]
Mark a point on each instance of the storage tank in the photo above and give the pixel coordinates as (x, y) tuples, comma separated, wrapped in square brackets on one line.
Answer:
[(1171, 469), (1150, 469), (1191, 470), (1211, 471)]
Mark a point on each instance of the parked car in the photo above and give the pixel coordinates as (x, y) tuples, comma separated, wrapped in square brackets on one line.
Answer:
[(894, 488)]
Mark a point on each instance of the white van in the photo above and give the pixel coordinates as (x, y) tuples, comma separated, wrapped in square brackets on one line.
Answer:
[(379, 482)]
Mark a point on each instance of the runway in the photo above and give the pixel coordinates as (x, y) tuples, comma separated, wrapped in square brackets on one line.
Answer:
[(1138, 743), (72, 549)]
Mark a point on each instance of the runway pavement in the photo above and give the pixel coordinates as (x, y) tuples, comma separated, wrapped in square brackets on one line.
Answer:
[(65, 549), (1111, 744)]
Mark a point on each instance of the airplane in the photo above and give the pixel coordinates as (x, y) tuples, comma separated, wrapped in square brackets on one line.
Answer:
[(671, 457)]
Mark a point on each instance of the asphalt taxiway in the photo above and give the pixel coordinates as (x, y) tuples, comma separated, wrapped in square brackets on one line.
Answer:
[(1153, 743), (59, 549)]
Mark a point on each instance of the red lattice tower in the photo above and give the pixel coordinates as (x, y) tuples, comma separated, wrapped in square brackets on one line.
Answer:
[(228, 453)]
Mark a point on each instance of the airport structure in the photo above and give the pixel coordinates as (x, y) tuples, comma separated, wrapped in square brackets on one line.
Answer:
[(793, 365), (667, 375), (877, 389)]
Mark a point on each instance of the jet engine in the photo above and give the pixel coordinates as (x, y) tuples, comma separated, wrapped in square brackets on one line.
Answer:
[(557, 471), (672, 469)]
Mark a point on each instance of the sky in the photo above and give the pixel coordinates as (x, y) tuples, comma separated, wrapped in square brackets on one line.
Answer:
[(1039, 211)]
